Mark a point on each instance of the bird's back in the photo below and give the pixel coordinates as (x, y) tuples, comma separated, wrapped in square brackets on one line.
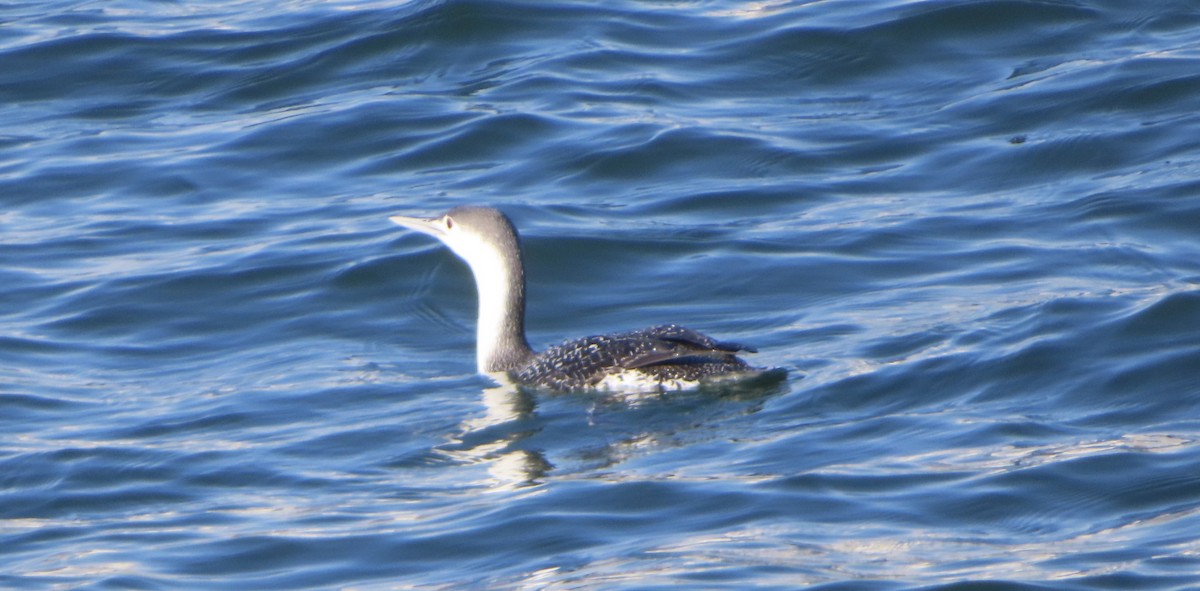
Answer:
[(660, 357)]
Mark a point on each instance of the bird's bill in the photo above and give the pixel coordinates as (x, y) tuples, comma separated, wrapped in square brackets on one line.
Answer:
[(429, 226)]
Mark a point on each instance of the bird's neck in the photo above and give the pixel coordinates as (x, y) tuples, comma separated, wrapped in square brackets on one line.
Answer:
[(500, 333)]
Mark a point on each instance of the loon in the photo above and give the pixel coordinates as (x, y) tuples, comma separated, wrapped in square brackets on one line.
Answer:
[(665, 357)]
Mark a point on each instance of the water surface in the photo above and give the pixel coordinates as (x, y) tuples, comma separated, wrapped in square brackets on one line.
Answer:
[(967, 228)]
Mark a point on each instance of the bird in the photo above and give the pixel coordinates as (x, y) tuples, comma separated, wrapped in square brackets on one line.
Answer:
[(655, 359)]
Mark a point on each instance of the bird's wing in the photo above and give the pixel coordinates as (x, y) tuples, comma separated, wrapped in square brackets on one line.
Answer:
[(669, 342), (689, 338), (589, 359)]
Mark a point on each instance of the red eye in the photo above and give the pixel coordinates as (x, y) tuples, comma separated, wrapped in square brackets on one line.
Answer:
[(449, 223)]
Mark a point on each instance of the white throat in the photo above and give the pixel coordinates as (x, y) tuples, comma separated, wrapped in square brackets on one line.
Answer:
[(491, 278), (501, 320)]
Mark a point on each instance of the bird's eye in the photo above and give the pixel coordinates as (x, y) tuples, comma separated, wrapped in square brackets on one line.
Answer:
[(449, 223)]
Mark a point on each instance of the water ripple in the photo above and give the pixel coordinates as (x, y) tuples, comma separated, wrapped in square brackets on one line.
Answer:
[(967, 228)]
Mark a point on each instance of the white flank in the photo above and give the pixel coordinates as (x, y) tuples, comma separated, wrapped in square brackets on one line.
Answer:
[(638, 382)]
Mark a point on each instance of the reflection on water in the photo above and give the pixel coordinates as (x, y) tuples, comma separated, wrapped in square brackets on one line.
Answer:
[(600, 429), (494, 439)]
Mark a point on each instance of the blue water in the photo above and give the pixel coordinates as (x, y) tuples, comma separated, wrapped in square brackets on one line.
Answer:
[(969, 229)]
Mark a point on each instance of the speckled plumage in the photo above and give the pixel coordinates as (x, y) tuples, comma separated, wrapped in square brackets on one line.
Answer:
[(668, 354)]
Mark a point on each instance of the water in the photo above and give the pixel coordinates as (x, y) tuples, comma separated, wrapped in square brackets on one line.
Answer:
[(970, 230)]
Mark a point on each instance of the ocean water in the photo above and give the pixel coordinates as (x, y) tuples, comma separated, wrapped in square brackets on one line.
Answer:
[(970, 230)]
